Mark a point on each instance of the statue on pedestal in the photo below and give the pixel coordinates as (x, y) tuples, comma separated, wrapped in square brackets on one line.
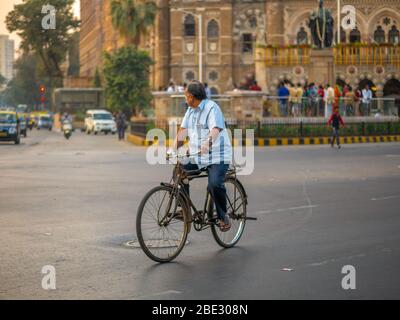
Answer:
[(321, 25)]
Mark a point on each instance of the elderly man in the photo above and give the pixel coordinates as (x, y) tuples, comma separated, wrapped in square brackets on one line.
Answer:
[(205, 125)]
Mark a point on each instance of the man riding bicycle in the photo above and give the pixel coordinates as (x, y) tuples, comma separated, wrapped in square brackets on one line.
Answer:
[(204, 124)]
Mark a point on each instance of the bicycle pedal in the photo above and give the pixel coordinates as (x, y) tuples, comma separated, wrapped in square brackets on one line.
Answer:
[(251, 218)]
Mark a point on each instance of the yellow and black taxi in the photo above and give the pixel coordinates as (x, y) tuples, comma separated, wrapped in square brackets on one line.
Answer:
[(9, 127)]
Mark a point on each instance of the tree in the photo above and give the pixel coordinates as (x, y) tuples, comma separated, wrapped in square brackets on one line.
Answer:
[(50, 45), (24, 87), (126, 73), (2, 80), (97, 79), (133, 18)]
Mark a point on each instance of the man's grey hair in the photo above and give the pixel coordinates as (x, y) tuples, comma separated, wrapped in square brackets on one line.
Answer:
[(197, 90)]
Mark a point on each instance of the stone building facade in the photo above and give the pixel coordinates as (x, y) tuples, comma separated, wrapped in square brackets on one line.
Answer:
[(268, 39)]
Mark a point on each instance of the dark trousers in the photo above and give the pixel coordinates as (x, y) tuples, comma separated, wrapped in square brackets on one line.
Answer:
[(121, 133), (335, 135), (216, 185)]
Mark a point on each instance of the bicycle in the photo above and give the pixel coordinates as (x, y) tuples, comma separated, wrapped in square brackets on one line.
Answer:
[(169, 209)]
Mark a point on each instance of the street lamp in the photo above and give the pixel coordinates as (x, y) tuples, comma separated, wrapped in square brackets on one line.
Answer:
[(198, 16)]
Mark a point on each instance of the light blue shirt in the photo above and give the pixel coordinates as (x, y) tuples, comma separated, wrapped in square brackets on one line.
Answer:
[(199, 121)]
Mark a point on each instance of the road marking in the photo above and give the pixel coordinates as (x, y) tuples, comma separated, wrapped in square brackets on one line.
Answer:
[(384, 198), (287, 209)]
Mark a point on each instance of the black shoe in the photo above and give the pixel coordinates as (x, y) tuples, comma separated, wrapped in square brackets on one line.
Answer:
[(339, 146)]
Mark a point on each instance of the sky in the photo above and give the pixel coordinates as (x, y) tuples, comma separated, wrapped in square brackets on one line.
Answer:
[(8, 5)]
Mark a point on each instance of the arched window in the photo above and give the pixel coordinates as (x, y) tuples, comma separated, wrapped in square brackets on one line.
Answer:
[(342, 36), (213, 29), (379, 35), (355, 36), (189, 75), (253, 22), (394, 35), (189, 29), (302, 37), (247, 43)]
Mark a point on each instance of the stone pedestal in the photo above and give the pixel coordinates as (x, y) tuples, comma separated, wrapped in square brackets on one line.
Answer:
[(321, 67), (261, 75)]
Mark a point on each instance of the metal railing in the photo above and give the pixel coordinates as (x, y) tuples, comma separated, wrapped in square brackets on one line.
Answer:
[(319, 107)]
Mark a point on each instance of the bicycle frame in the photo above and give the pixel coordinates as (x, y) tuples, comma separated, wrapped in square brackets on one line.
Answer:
[(178, 190)]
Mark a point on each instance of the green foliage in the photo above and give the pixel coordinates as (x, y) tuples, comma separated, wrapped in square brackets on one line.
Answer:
[(133, 18), (24, 87), (50, 45), (97, 79), (126, 73)]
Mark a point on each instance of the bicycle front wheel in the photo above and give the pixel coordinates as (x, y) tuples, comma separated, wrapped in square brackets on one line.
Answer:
[(162, 224), (236, 209)]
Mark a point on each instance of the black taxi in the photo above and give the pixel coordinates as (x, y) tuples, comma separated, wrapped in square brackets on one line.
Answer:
[(9, 127)]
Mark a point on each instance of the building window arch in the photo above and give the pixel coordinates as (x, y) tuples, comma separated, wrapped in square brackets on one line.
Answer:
[(247, 43), (355, 36), (302, 36), (213, 29), (342, 36), (379, 35), (189, 26), (394, 35), (252, 22)]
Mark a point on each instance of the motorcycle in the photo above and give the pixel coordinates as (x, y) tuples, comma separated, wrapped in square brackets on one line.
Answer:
[(67, 129)]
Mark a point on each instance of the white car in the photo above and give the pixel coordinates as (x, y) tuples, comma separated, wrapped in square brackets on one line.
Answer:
[(99, 121)]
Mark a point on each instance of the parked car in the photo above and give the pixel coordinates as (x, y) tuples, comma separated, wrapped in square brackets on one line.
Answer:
[(99, 121), (9, 127)]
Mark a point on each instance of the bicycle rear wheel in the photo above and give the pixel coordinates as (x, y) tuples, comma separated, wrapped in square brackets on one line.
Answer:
[(160, 228), (236, 209)]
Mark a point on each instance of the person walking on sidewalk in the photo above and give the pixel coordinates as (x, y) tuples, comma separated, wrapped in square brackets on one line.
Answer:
[(335, 120), (121, 125)]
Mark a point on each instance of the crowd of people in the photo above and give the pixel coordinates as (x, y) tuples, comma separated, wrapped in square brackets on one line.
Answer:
[(173, 88), (319, 100)]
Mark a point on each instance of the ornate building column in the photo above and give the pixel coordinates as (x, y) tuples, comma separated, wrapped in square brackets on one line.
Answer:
[(275, 22)]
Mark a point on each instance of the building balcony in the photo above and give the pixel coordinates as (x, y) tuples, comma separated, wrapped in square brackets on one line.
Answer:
[(367, 54), (287, 55)]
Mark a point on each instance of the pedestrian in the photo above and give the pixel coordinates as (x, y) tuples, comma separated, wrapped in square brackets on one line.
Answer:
[(321, 98), (366, 100), (357, 97), (349, 101), (297, 98), (292, 99), (313, 96), (208, 91), (255, 86), (283, 94), (335, 120), (329, 100), (171, 87), (121, 125)]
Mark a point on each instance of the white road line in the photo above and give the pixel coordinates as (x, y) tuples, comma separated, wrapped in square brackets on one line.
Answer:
[(287, 209), (384, 198)]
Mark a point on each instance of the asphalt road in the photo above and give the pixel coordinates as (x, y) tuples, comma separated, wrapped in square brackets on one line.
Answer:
[(72, 204)]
